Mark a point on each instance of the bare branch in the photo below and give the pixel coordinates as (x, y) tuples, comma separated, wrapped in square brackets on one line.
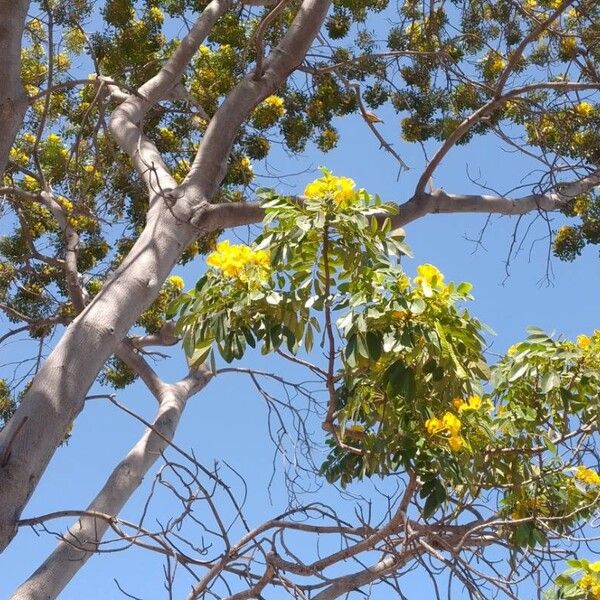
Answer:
[(82, 539)]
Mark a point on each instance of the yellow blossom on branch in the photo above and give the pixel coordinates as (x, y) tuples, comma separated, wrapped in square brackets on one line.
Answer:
[(583, 342), (176, 282), (276, 104), (452, 423), (456, 442), (471, 403), (340, 189), (268, 112), (587, 476), (434, 425), (240, 261), (584, 109), (428, 275)]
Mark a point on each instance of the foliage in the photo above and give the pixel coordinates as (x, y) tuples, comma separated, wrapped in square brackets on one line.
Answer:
[(409, 392), (411, 389)]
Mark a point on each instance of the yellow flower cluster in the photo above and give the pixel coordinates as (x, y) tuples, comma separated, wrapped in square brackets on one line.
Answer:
[(339, 189), (176, 282), (268, 112), (583, 342), (430, 276), (276, 104), (449, 425), (587, 476), (74, 40), (591, 584), (94, 175), (568, 46), (240, 261), (156, 15), (494, 65), (471, 403), (584, 109), (19, 156), (29, 138), (525, 507)]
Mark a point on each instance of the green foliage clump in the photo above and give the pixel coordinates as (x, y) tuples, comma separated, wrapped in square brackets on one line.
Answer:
[(409, 389)]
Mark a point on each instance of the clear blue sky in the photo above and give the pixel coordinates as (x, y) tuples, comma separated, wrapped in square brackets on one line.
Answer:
[(228, 420)]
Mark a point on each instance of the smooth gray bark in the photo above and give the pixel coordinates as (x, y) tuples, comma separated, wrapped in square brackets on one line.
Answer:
[(13, 99), (174, 220), (81, 541)]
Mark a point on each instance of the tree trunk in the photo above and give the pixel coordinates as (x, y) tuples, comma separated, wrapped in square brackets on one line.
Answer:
[(13, 100), (57, 392), (82, 539)]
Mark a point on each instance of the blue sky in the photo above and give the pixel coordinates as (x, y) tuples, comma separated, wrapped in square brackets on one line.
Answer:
[(228, 421)]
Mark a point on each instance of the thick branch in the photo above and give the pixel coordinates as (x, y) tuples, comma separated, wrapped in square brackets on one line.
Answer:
[(82, 539), (495, 103), (440, 201), (126, 122), (57, 392), (344, 585), (13, 99), (210, 164)]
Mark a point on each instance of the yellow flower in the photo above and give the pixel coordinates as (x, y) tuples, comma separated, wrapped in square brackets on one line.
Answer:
[(340, 189), (587, 581), (31, 184), (240, 261), (428, 275), (587, 476), (268, 112), (29, 138), (19, 156), (176, 282), (530, 4), (434, 425), (156, 15), (584, 109), (456, 442), (472, 403), (512, 350), (583, 342), (493, 65), (276, 104), (452, 423)]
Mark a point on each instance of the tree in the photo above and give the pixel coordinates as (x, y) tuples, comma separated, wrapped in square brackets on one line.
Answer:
[(114, 178)]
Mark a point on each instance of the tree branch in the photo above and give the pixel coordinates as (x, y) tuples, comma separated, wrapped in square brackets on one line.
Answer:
[(440, 201), (82, 539), (13, 99)]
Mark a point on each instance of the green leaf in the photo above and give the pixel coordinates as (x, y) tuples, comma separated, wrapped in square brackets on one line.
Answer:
[(549, 382), (309, 338), (435, 499), (517, 371), (200, 353), (401, 380), (374, 344)]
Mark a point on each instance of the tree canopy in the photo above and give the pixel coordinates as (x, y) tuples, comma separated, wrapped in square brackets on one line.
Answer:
[(130, 141)]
